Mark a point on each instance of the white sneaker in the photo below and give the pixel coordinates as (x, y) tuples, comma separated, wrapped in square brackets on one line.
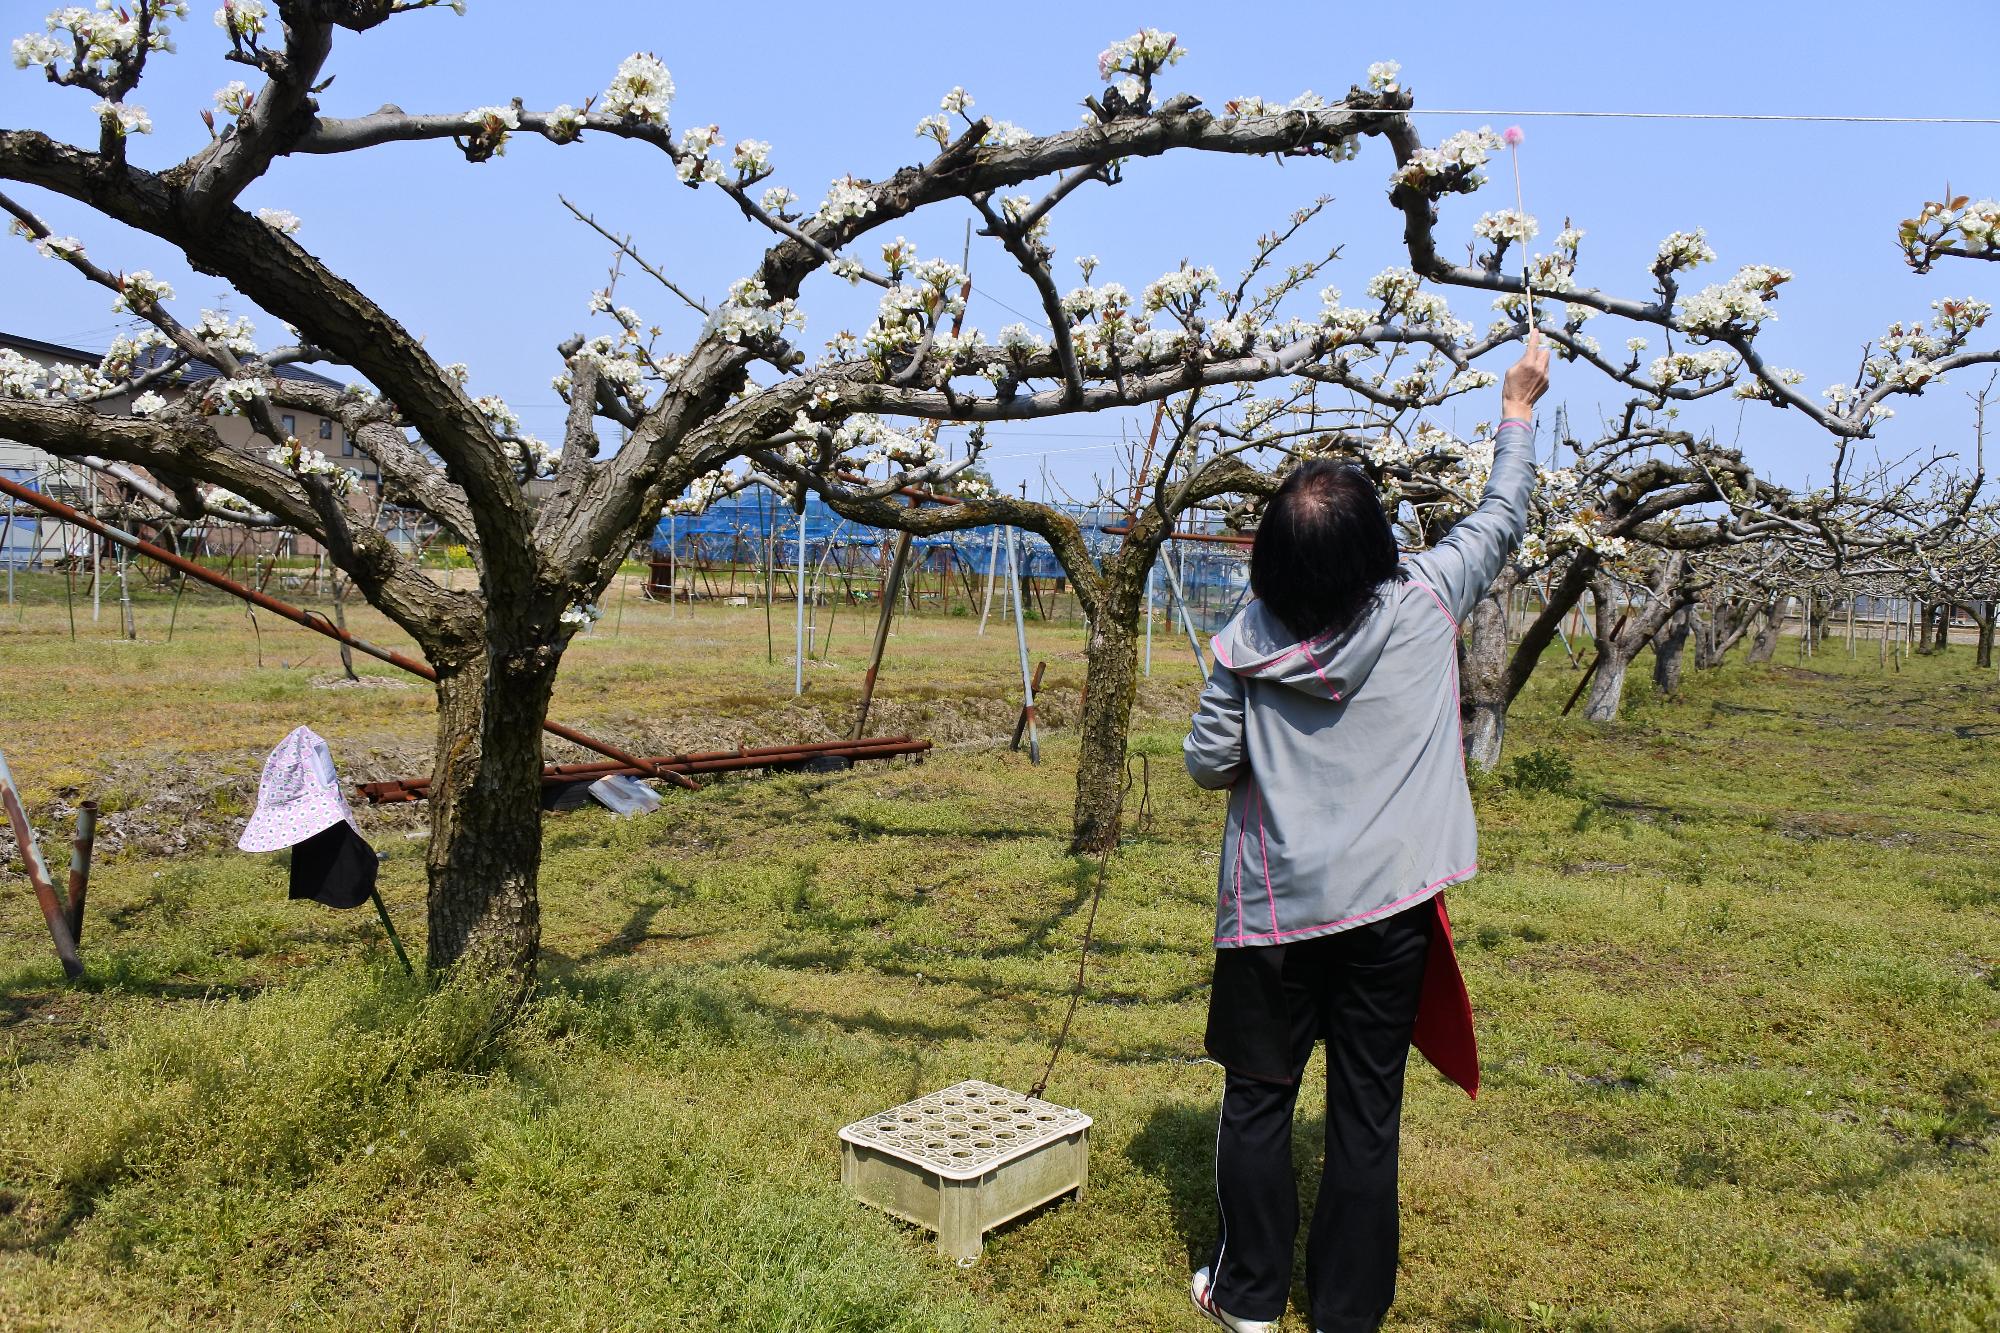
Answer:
[(1198, 1293)]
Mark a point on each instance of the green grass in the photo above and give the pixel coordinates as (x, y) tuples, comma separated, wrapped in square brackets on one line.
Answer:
[(1735, 959)]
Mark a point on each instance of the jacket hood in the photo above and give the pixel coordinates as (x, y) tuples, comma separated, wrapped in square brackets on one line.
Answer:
[(1257, 646)]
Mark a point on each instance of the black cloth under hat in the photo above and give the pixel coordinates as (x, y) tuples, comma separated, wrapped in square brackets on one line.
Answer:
[(335, 866)]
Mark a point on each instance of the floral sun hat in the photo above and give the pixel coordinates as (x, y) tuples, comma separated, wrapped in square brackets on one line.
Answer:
[(298, 796)]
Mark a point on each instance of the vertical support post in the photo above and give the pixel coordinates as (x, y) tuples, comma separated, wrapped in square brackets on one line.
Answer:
[(389, 929), (1180, 597), (1021, 722), (891, 582), (1150, 572), (799, 624), (992, 568), (7, 549), (79, 866), (125, 599), (96, 560), (53, 910), (1021, 642)]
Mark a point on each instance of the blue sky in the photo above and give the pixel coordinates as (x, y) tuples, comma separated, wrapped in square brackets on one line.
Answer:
[(484, 262)]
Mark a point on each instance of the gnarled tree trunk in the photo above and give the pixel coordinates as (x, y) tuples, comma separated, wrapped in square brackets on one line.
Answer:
[(1111, 682), (1765, 645), (1670, 650), (1728, 622), (486, 812), (1482, 675), (1983, 614), (1618, 643)]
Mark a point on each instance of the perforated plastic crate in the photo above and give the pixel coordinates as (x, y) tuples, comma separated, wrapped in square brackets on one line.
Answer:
[(964, 1159)]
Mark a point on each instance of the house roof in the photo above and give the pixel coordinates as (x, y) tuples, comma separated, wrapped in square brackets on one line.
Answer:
[(194, 372)]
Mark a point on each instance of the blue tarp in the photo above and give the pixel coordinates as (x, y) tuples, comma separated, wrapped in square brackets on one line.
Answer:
[(734, 529)]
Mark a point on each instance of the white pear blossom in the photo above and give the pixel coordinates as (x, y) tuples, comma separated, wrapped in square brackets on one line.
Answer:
[(956, 102), (1005, 134), (233, 333), (1450, 166), (1739, 305), (751, 157), (1683, 250), (641, 90), (565, 123), (778, 199), (147, 403), (48, 247), (303, 462), (1021, 341), (1692, 367), (141, 291), (845, 200), (279, 219), (97, 41), (580, 614), (1145, 52), (234, 98), (1180, 291), (241, 18), (1382, 75), (125, 118), (1508, 225)]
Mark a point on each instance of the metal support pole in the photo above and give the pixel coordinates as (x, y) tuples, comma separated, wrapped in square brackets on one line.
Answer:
[(1021, 642), (79, 866), (799, 626), (389, 927), (46, 893), (992, 568), (7, 549), (891, 583), (1180, 598), (96, 563), (1149, 621)]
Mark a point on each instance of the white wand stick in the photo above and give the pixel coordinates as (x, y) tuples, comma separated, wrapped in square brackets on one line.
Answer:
[(1513, 138)]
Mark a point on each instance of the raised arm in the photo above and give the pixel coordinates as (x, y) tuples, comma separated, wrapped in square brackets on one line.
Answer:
[(1464, 562)]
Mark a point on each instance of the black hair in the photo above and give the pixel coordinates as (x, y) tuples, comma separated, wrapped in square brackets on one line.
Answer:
[(1323, 549)]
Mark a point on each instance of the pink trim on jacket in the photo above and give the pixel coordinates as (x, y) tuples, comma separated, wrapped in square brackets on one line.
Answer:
[(1274, 936), (1264, 854)]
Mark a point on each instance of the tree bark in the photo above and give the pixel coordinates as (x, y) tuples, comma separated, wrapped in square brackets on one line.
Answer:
[(486, 811), (1482, 674), (1111, 676), (1765, 646), (1541, 632), (1670, 650), (1728, 623), (1983, 613), (1617, 645)]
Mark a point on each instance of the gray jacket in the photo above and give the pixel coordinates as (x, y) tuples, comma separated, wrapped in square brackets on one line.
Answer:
[(1343, 759)]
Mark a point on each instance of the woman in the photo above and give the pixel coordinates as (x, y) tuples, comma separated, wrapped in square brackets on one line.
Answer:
[(1332, 716)]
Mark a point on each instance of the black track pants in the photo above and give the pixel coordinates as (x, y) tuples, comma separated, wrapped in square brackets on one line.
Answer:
[(1357, 991)]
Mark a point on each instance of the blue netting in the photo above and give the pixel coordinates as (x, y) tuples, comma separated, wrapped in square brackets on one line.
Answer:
[(734, 531)]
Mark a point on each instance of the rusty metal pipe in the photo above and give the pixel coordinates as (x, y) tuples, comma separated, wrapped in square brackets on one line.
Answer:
[(710, 763), (38, 875), (398, 791), (311, 620), (1215, 538), (79, 866)]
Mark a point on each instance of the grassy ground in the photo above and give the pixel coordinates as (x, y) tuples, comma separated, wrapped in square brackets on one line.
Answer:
[(1736, 962)]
